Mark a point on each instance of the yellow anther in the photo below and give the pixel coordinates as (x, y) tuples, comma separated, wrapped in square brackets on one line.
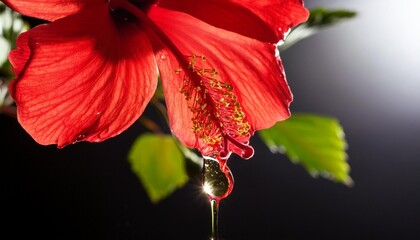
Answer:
[(228, 86), (202, 72), (213, 104)]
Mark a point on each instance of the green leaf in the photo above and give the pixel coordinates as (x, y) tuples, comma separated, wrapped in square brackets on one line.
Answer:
[(322, 17), (319, 18), (159, 164), (316, 142)]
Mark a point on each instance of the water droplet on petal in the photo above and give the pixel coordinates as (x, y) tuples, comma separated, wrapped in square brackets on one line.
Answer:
[(163, 56), (79, 138)]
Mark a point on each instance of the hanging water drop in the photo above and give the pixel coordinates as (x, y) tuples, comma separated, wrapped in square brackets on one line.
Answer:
[(217, 178), (218, 184)]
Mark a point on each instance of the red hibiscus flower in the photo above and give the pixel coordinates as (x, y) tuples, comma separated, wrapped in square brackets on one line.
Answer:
[(89, 73)]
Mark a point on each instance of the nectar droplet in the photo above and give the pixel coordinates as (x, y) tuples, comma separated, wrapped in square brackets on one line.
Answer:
[(218, 184), (217, 178)]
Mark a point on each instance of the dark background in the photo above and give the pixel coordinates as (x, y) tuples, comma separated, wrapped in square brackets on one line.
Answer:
[(365, 72)]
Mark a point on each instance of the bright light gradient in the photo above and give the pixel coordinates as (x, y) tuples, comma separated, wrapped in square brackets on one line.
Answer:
[(380, 50)]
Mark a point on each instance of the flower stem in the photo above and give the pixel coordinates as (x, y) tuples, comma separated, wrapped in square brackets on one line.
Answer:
[(150, 124)]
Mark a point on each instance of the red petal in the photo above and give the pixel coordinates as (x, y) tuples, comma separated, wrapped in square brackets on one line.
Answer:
[(19, 57), (50, 9), (250, 66), (84, 79), (265, 20)]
